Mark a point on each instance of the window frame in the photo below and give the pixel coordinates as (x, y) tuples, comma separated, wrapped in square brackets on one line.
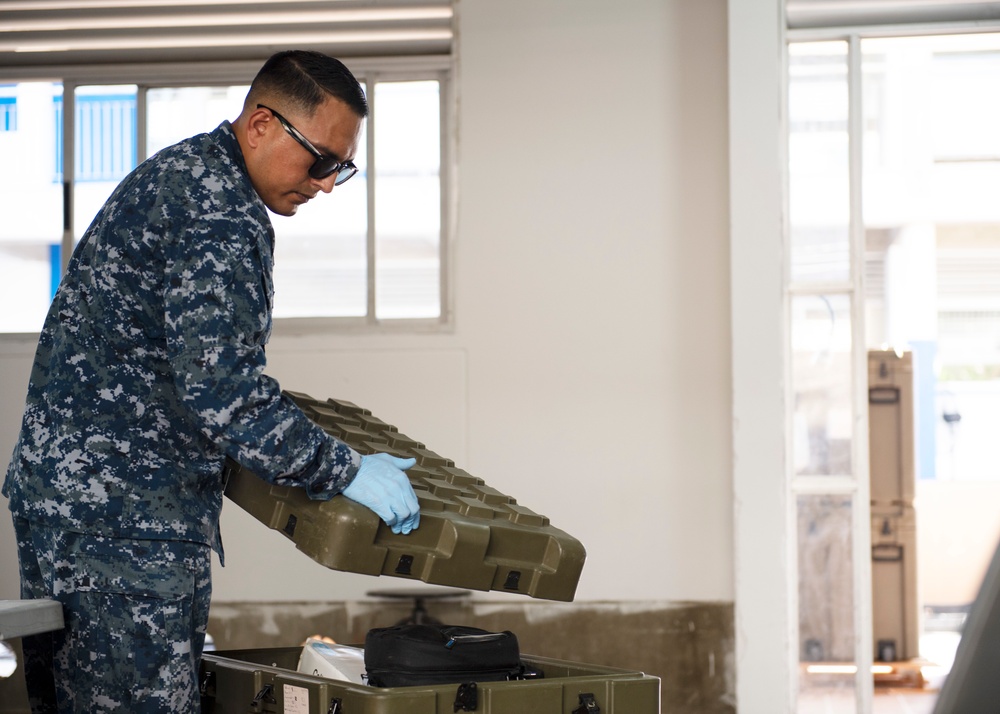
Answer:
[(369, 71)]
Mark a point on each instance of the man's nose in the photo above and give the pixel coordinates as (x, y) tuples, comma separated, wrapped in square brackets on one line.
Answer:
[(326, 184)]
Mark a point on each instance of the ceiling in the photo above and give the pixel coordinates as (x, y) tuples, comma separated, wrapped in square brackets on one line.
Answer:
[(806, 14), (67, 32)]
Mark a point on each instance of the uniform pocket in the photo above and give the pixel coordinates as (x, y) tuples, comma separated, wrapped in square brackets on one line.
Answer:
[(142, 577), (133, 631), (249, 297), (267, 288)]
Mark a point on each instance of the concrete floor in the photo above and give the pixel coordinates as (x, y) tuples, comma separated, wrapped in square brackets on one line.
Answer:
[(937, 645), (895, 701)]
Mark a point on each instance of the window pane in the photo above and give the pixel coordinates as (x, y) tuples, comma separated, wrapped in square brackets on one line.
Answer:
[(320, 264), (30, 202), (933, 240), (826, 604), (105, 147), (821, 374), (959, 76), (175, 113), (320, 253), (819, 198), (407, 199)]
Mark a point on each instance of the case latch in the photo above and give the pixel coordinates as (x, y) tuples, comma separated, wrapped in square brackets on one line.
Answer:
[(264, 696), (207, 686), (467, 697), (588, 704)]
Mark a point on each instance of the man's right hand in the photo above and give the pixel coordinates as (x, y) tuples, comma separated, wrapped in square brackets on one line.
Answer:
[(382, 486)]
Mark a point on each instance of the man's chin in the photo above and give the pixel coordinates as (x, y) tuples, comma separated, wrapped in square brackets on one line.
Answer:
[(288, 209)]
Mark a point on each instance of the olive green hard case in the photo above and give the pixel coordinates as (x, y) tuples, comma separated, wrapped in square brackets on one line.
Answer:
[(265, 680), (470, 536)]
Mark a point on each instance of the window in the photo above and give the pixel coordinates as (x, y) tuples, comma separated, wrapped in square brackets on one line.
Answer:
[(933, 246), (408, 199), (824, 470), (105, 133), (8, 110), (369, 253), (31, 204)]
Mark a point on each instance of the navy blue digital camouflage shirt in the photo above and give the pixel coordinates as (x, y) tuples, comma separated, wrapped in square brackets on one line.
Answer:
[(149, 368)]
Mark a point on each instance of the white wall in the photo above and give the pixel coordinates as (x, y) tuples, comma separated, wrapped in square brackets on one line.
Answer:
[(588, 372), (957, 534)]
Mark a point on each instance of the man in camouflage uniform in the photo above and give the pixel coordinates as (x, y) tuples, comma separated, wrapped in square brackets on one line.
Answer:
[(149, 373)]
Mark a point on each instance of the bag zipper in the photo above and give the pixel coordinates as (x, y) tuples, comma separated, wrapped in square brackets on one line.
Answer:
[(511, 673), (461, 639)]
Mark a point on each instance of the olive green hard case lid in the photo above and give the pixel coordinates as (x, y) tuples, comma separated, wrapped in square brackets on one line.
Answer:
[(470, 535)]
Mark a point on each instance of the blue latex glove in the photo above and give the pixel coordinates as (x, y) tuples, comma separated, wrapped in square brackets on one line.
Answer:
[(382, 486)]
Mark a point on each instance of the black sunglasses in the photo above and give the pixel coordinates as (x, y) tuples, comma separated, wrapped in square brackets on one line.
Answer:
[(323, 166)]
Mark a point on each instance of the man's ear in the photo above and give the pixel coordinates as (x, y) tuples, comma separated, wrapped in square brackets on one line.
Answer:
[(257, 125)]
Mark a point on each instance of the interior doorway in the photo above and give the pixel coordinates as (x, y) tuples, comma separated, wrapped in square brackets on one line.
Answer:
[(921, 115)]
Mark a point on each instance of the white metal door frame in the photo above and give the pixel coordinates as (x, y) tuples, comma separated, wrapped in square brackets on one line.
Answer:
[(763, 494)]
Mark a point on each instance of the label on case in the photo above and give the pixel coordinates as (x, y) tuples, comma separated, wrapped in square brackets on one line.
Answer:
[(296, 700)]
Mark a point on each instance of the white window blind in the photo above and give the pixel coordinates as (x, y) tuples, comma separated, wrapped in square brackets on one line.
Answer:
[(816, 14), (38, 33)]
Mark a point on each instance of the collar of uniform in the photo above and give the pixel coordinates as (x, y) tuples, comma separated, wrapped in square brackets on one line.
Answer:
[(226, 138)]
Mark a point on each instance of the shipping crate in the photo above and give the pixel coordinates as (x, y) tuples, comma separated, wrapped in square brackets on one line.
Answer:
[(891, 435), (895, 608), (892, 462), (266, 680), (470, 536)]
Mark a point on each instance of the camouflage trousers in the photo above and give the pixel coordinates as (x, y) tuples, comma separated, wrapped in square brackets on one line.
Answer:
[(136, 613)]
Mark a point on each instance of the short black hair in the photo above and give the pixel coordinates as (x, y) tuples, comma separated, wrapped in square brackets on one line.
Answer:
[(305, 79)]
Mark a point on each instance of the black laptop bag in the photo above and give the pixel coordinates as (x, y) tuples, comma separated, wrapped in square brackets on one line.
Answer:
[(407, 655)]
